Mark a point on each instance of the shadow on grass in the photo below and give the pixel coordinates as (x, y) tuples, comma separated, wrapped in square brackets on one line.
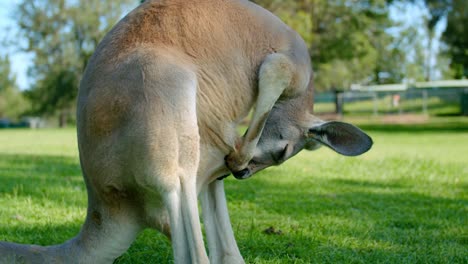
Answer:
[(417, 128), (363, 198), (448, 126), (359, 184), (367, 222)]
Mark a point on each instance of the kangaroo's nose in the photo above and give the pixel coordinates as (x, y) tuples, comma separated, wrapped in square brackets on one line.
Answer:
[(243, 174)]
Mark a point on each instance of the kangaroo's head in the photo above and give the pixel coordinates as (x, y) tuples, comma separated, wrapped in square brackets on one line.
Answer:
[(291, 128)]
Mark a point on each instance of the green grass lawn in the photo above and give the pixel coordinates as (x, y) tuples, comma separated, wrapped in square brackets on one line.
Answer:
[(405, 201), (435, 106)]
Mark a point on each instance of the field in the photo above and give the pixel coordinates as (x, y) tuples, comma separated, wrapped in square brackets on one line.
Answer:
[(405, 201), (435, 105)]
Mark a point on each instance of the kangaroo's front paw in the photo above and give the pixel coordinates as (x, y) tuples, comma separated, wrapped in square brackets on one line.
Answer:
[(236, 161), (239, 167)]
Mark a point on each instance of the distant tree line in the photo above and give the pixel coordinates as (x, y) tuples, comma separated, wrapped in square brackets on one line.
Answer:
[(12, 102), (349, 42)]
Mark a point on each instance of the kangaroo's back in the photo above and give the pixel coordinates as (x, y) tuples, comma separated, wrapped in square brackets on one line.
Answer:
[(224, 41), (206, 30)]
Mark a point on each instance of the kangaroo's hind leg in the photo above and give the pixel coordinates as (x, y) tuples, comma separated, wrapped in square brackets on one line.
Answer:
[(181, 201), (221, 241), (172, 152)]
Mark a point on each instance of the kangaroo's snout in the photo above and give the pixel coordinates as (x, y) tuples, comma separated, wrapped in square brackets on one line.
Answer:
[(243, 174)]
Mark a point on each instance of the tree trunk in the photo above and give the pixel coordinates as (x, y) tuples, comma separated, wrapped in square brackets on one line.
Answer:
[(63, 118), (338, 101)]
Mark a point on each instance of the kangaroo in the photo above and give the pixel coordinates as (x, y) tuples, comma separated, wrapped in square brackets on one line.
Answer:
[(158, 110)]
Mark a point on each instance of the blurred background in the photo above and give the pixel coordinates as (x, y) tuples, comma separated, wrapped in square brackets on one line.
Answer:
[(398, 69), (387, 60)]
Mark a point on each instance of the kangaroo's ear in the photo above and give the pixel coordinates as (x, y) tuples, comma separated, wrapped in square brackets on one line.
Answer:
[(342, 137)]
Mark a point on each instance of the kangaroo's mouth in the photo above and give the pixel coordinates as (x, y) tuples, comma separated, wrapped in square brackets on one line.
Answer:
[(242, 174), (253, 167)]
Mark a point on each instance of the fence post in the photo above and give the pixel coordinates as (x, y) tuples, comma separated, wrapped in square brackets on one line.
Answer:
[(464, 102), (339, 102), (375, 99), (424, 101)]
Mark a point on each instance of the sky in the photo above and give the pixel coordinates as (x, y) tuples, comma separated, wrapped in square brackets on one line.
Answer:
[(412, 15), (407, 14), (20, 61)]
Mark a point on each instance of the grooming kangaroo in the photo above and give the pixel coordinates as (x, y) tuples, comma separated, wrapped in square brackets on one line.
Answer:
[(158, 110)]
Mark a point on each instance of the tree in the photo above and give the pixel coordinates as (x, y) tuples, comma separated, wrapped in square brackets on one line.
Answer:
[(437, 10), (348, 42), (456, 38), (12, 102), (62, 35)]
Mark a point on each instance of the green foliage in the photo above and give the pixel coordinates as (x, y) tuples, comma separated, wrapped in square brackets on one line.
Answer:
[(456, 37), (402, 202), (348, 42), (62, 35), (351, 42), (437, 10), (12, 101)]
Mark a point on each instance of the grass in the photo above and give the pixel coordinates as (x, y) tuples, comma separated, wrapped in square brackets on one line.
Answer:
[(435, 106), (405, 201)]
